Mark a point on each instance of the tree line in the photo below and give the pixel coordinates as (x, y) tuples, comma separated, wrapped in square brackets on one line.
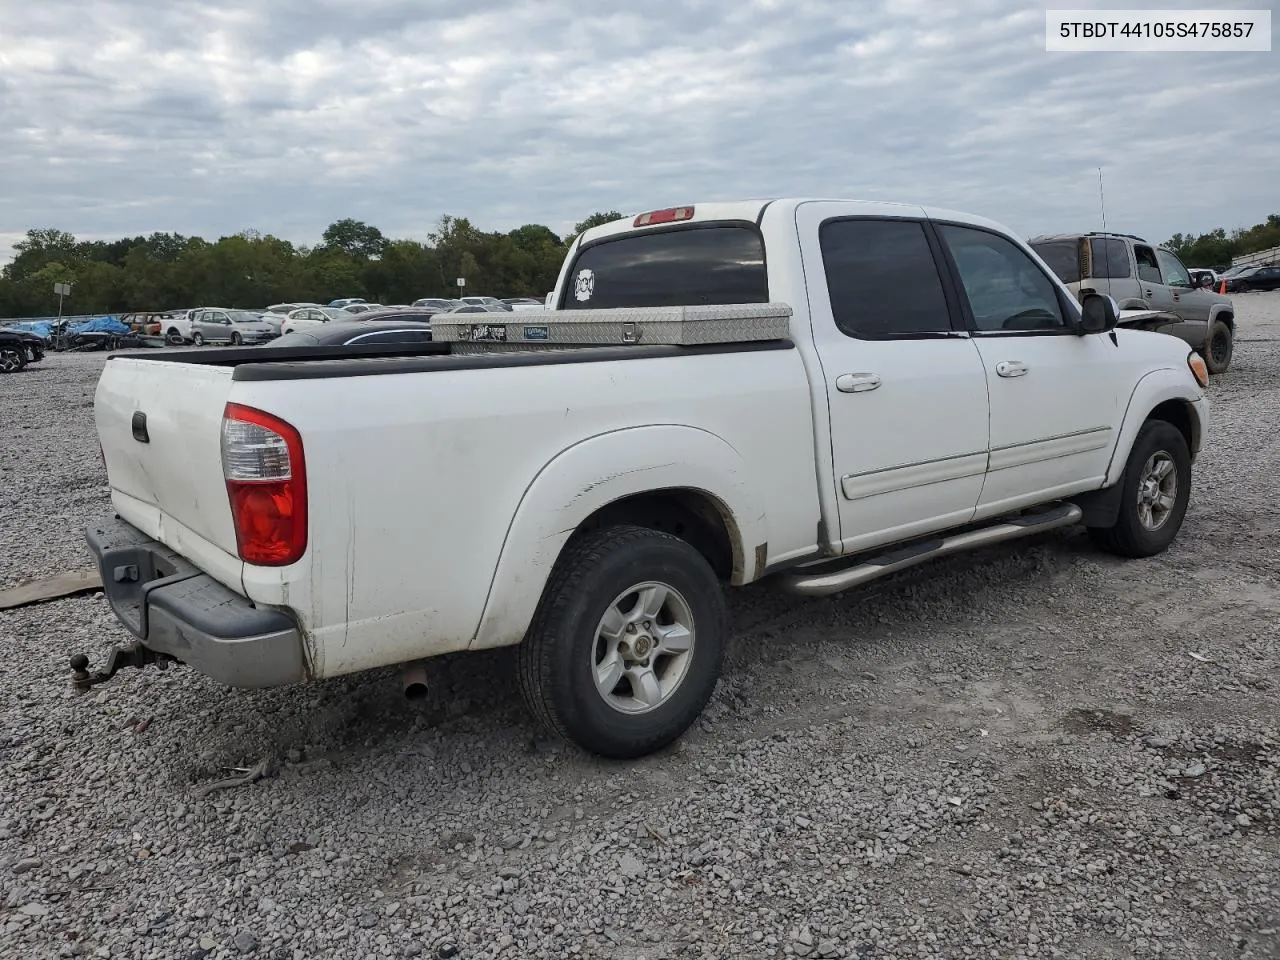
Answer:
[(352, 259), (167, 271), (1217, 247)]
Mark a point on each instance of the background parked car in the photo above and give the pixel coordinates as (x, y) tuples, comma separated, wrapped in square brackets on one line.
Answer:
[(440, 303), (479, 301), (177, 330), (346, 332), (362, 307), (399, 314), (283, 309), (18, 348), (1255, 278), (312, 317), (1143, 276), (345, 301), (218, 325), (497, 307)]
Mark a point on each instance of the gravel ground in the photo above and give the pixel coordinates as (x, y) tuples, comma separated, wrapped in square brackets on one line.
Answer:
[(1033, 751)]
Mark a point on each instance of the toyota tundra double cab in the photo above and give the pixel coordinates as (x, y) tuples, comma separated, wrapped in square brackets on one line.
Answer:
[(1142, 276), (288, 515)]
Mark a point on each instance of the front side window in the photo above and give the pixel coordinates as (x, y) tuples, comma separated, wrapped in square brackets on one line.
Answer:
[(1108, 259), (1175, 274), (1148, 268), (882, 279), (1005, 289), (712, 263)]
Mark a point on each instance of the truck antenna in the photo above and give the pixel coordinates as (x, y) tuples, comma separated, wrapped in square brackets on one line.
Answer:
[(1102, 201), (1106, 247)]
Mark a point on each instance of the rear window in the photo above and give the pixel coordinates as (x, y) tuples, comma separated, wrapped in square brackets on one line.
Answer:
[(719, 263), (1062, 256)]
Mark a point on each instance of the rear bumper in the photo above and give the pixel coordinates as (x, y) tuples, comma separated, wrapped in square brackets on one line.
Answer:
[(174, 608)]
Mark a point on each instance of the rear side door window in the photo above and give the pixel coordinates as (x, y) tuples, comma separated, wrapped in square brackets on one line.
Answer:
[(1005, 289), (883, 279)]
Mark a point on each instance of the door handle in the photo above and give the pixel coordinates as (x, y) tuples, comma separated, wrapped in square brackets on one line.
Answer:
[(1011, 368), (857, 382)]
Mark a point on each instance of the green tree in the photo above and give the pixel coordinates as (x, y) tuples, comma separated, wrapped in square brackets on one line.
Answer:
[(355, 238), (597, 219)]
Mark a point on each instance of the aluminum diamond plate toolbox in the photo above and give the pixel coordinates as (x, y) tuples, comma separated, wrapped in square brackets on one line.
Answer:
[(675, 326)]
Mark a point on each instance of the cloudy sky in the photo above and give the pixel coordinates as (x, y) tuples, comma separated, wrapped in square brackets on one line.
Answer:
[(124, 117)]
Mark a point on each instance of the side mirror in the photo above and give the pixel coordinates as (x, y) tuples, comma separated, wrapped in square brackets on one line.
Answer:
[(1098, 314)]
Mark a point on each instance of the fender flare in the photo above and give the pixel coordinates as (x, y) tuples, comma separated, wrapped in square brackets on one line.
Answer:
[(1218, 309), (591, 474), (1156, 387)]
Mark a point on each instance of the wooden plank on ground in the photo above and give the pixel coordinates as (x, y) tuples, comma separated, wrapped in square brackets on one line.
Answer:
[(54, 588)]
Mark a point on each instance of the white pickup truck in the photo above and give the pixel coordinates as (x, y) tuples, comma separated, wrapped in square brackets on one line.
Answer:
[(289, 515)]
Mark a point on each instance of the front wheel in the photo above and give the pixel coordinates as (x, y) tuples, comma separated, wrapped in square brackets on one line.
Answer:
[(1154, 493), (627, 643), (236, 339), (197, 339), (1218, 347), (173, 337), (11, 361)]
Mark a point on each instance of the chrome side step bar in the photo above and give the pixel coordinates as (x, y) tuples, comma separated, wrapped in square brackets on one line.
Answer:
[(871, 568)]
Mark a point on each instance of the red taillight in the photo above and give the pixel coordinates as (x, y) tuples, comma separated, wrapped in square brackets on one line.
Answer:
[(266, 478), (670, 215)]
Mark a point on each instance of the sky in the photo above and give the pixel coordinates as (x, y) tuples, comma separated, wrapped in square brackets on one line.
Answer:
[(125, 117)]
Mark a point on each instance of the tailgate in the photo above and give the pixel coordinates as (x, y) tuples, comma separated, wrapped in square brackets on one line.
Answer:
[(160, 426)]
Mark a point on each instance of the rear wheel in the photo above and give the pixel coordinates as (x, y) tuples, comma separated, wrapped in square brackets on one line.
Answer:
[(236, 339), (197, 339), (627, 643), (11, 361), (173, 337), (1218, 347), (1155, 490)]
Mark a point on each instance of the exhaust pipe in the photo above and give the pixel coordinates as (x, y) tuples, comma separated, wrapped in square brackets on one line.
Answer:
[(415, 681)]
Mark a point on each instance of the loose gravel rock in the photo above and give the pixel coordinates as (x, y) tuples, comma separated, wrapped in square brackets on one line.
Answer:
[(1008, 754)]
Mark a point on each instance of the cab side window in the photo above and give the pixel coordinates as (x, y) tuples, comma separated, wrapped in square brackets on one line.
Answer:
[(1006, 290), (882, 279)]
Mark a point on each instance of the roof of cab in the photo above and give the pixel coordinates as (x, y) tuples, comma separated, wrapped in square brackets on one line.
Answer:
[(752, 209)]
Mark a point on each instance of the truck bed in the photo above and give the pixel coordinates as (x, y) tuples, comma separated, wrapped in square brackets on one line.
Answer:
[(307, 363)]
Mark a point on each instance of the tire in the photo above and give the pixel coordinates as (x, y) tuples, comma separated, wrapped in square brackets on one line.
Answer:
[(1131, 535), (198, 339), (563, 653), (236, 340), (173, 337), (11, 361), (1219, 347)]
